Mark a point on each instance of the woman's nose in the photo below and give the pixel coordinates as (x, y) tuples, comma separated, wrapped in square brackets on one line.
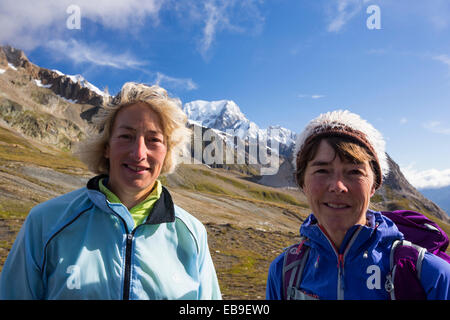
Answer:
[(337, 185), (139, 151)]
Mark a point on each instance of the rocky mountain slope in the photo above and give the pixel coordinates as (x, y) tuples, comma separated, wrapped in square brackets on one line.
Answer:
[(250, 218)]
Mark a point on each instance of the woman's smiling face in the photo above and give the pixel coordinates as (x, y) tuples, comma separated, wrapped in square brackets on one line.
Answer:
[(338, 190), (136, 150)]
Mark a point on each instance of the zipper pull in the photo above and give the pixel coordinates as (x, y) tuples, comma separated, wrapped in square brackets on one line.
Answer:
[(340, 261)]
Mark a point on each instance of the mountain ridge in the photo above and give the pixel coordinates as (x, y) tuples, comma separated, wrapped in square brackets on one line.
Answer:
[(74, 88), (225, 115)]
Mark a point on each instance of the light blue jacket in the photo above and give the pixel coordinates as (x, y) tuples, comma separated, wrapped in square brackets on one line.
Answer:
[(81, 246), (359, 268)]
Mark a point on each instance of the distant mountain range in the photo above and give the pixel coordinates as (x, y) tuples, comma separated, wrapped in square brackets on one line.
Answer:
[(53, 108), (226, 115), (441, 196)]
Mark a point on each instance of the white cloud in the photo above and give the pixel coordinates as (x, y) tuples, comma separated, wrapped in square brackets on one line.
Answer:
[(341, 12), (437, 127), (431, 178), (217, 16), (213, 16), (445, 59), (311, 96), (26, 24), (177, 83), (94, 54), (228, 15), (403, 120)]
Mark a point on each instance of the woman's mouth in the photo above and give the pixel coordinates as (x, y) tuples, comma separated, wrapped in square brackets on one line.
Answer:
[(336, 205), (136, 169)]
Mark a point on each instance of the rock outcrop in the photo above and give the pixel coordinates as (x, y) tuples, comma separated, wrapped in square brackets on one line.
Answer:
[(69, 89), (60, 84)]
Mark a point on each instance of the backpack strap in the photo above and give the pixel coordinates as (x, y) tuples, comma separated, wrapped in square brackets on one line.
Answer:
[(403, 281), (295, 258)]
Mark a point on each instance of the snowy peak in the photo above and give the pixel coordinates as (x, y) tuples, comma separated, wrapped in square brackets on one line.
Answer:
[(78, 78), (73, 88), (220, 115), (226, 115), (286, 136)]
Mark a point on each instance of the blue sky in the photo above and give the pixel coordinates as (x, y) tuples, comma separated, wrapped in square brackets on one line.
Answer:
[(282, 61)]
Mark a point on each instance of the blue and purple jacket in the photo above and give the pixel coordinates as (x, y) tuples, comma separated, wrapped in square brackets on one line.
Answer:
[(358, 269)]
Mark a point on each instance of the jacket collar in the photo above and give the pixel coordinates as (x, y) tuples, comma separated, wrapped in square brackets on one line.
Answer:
[(380, 229), (163, 210)]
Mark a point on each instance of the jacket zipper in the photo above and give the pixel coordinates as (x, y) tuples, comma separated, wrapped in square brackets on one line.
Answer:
[(340, 260), (128, 247), (127, 275)]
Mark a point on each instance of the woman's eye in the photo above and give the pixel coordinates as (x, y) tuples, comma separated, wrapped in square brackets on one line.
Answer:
[(155, 139), (125, 136), (321, 171)]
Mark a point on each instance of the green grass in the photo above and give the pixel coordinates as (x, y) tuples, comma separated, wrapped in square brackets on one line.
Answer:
[(15, 209), (274, 196), (210, 188), (8, 137), (17, 149), (206, 181)]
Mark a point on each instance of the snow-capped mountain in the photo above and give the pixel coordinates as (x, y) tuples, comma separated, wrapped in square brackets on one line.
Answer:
[(226, 115), (221, 115), (78, 78)]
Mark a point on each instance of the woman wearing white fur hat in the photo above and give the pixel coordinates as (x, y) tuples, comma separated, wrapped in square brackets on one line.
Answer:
[(345, 248)]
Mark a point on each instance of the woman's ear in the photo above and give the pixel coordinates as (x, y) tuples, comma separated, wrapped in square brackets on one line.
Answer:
[(373, 190)]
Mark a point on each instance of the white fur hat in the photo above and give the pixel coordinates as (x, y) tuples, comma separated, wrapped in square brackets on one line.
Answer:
[(345, 123)]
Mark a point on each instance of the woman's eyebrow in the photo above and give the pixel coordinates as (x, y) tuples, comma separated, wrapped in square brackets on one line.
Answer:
[(319, 163), (154, 132), (126, 127)]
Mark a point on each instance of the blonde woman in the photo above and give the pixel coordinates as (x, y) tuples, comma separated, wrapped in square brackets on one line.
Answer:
[(121, 236)]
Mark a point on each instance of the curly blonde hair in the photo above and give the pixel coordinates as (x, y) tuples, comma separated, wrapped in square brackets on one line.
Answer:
[(173, 120)]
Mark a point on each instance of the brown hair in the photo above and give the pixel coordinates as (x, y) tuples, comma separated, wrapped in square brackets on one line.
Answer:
[(345, 147)]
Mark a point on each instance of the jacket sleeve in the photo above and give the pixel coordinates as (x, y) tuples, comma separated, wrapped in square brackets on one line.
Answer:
[(274, 286), (21, 277), (435, 277), (209, 284)]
